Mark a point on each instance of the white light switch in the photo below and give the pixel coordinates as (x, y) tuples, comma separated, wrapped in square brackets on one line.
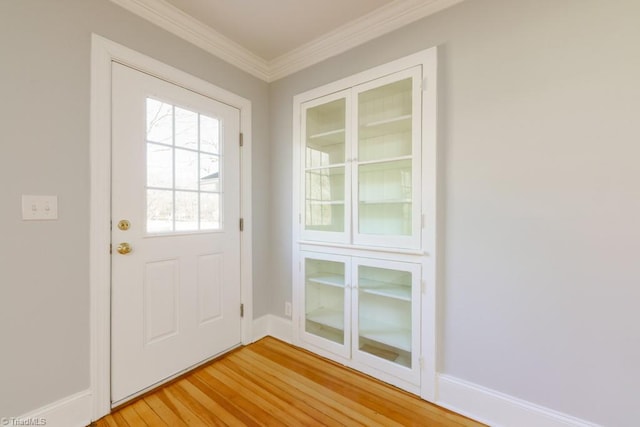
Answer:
[(38, 208)]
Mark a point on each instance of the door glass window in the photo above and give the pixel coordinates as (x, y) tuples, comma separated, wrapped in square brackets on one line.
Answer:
[(184, 178)]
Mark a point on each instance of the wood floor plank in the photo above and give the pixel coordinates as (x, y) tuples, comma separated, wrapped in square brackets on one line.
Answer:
[(356, 386), (120, 421), (294, 398), (333, 413), (132, 417), (173, 402), (261, 411), (147, 414), (271, 383), (163, 411), (353, 410), (217, 403), (282, 408)]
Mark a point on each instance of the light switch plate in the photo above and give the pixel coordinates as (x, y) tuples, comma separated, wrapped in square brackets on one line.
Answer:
[(39, 208)]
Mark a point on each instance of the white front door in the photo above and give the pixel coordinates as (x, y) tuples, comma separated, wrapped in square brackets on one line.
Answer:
[(175, 234)]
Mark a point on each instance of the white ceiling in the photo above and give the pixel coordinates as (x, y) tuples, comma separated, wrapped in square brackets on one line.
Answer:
[(271, 39), (271, 28)]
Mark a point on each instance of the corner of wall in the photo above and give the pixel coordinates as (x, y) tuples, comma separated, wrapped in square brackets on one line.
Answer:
[(272, 325)]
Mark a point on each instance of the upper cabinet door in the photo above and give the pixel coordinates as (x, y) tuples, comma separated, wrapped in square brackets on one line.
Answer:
[(386, 161), (326, 180)]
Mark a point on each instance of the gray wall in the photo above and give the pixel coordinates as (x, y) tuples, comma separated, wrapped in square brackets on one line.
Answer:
[(44, 149), (540, 185)]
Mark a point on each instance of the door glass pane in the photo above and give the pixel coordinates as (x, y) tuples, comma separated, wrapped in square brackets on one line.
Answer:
[(186, 211), (159, 211), (384, 314), (159, 166), (209, 135), (209, 172), (186, 169), (324, 189), (186, 128), (324, 299), (384, 192), (185, 165), (159, 122)]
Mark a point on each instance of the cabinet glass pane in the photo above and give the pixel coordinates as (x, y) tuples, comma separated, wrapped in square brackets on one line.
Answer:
[(324, 299), (384, 122), (384, 313), (324, 199), (325, 138), (384, 192)]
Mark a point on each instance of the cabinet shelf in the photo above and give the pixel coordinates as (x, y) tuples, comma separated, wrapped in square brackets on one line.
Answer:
[(375, 330), (387, 163), (385, 202), (385, 289), (388, 126), (331, 137), (327, 316), (328, 279), (334, 166), (326, 202)]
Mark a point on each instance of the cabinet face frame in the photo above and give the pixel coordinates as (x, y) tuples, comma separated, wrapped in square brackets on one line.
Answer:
[(425, 254)]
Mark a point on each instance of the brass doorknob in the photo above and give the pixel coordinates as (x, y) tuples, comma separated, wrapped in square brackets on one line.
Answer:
[(124, 248)]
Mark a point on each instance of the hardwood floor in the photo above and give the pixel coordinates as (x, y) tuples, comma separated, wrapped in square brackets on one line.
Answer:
[(270, 383)]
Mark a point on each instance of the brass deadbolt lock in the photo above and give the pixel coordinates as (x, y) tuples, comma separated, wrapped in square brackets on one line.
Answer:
[(124, 225)]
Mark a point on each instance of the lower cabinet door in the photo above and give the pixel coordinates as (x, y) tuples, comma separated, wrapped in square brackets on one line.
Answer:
[(364, 310), (385, 316), (326, 301)]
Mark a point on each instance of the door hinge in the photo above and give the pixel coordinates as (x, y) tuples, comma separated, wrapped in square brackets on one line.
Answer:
[(241, 140), (424, 84), (241, 310), (424, 286), (241, 224), (421, 361), (110, 248), (422, 222)]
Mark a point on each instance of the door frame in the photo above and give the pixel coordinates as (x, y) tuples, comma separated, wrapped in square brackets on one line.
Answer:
[(103, 53)]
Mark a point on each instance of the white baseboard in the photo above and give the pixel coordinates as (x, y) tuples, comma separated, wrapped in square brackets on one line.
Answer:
[(72, 411), (274, 326), (498, 409)]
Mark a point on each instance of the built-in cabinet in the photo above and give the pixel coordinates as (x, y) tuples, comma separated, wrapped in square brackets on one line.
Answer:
[(364, 244)]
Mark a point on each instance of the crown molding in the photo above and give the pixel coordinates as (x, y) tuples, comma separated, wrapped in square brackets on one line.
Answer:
[(375, 24), (172, 19), (359, 31)]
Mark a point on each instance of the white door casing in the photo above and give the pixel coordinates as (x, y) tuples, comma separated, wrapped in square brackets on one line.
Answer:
[(176, 295)]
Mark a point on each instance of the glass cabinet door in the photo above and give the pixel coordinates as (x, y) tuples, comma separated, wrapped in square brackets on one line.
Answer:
[(326, 181), (327, 302), (386, 316), (387, 162)]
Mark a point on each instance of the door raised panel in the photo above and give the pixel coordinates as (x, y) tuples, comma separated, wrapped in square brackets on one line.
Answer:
[(210, 274), (161, 280)]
